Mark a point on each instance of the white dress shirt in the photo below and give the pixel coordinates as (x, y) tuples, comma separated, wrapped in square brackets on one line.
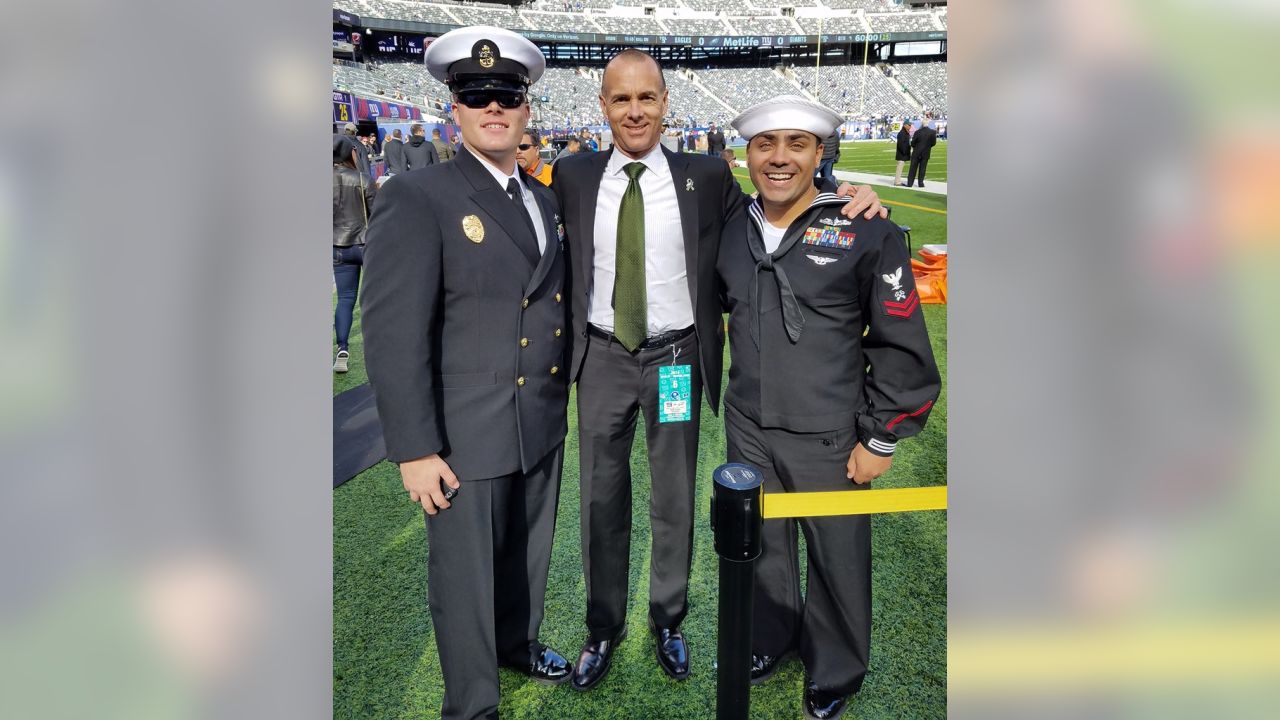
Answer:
[(530, 202), (665, 274)]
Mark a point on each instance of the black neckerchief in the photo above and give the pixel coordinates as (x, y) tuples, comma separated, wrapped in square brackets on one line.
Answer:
[(792, 317)]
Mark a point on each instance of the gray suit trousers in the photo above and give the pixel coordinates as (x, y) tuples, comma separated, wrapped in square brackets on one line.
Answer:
[(614, 387)]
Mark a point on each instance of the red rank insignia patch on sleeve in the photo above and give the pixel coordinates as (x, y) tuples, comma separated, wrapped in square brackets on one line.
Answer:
[(902, 304)]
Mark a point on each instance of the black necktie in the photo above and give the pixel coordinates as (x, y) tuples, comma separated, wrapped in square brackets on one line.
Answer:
[(513, 189)]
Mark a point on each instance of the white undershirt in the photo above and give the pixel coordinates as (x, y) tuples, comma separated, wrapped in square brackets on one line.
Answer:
[(666, 276), (772, 236), (530, 203)]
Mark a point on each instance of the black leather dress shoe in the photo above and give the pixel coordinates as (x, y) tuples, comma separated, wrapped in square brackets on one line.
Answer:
[(594, 662), (764, 666), (550, 667), (823, 705), (672, 652)]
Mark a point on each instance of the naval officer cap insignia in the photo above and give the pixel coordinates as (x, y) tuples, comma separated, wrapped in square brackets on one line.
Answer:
[(480, 57), (787, 112)]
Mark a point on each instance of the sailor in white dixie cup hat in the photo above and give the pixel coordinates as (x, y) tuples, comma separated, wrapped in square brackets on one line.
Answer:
[(464, 321), (803, 282)]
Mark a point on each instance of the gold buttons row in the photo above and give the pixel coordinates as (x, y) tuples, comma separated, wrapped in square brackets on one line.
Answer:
[(524, 342), (520, 380), (525, 302)]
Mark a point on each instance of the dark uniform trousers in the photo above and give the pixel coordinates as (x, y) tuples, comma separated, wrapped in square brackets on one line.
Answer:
[(831, 626), (492, 547), (919, 163), (613, 388)]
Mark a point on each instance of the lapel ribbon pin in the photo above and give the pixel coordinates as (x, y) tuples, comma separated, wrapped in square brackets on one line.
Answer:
[(688, 185)]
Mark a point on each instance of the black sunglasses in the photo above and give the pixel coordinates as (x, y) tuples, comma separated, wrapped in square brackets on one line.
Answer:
[(525, 146), (480, 99)]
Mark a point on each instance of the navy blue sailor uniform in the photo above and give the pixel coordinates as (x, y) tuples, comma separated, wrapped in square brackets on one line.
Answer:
[(828, 349)]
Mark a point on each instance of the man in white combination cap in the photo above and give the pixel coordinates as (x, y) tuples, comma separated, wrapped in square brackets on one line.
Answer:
[(466, 345), (815, 299)]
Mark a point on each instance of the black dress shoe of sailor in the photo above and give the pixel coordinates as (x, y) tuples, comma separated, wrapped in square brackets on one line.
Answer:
[(550, 667), (823, 705), (764, 666), (594, 662), (672, 652)]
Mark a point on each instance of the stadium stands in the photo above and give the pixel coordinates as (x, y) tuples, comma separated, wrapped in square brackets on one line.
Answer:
[(744, 87), (724, 6), (571, 97), (868, 5), (698, 26), (693, 17), (557, 22), (689, 104), (901, 22), (927, 82), (697, 96), (837, 24), (633, 25), (841, 88), (764, 26), (398, 10), (487, 15)]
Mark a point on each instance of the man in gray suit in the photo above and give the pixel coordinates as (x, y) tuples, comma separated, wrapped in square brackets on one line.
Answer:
[(466, 345)]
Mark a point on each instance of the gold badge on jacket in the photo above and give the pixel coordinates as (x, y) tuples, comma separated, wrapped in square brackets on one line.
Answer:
[(473, 229)]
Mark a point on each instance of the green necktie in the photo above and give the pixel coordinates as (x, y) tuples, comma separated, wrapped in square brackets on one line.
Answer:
[(630, 300)]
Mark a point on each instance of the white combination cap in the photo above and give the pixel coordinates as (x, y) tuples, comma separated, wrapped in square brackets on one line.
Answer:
[(484, 55)]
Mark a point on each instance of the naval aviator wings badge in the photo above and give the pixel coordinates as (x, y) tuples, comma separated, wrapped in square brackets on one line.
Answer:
[(473, 229)]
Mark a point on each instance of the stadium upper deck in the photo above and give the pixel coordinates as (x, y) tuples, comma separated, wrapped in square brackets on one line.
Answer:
[(703, 88), (669, 17)]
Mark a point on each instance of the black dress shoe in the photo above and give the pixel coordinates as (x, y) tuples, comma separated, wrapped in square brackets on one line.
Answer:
[(594, 662), (764, 666), (550, 667), (823, 705), (672, 652)]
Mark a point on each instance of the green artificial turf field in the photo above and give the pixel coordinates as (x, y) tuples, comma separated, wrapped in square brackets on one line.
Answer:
[(384, 656)]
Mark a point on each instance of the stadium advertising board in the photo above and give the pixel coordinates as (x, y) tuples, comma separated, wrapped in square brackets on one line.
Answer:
[(342, 17), (367, 109), (342, 107)]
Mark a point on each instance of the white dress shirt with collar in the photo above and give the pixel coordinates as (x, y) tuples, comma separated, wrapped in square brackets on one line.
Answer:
[(666, 277), (530, 203)]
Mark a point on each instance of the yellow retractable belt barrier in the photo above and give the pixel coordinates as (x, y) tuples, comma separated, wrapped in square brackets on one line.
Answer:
[(854, 502)]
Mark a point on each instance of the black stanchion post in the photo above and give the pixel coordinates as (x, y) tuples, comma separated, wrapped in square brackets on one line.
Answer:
[(736, 521)]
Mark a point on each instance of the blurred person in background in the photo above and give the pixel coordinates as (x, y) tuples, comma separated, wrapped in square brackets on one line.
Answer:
[(728, 156), (571, 147), (444, 151), (362, 160), (903, 151), (830, 154), (922, 143), (352, 200), (715, 140), (418, 152), (529, 159), (393, 153)]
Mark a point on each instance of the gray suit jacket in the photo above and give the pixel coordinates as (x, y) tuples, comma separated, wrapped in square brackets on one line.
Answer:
[(465, 333)]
